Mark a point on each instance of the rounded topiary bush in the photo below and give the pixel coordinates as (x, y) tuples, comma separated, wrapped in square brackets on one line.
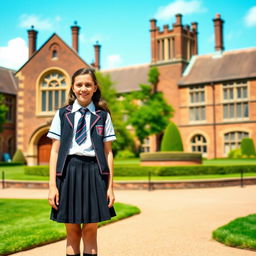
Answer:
[(19, 157), (171, 140), (247, 147)]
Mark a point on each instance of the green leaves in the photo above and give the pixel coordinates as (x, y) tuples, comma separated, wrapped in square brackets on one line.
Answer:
[(109, 94), (148, 111)]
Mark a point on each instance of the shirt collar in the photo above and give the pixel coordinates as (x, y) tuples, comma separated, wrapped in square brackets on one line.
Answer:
[(77, 106)]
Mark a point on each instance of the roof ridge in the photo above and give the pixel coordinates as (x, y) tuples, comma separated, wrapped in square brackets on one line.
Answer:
[(127, 67)]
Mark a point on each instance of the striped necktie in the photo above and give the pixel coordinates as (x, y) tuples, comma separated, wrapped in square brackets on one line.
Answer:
[(81, 127)]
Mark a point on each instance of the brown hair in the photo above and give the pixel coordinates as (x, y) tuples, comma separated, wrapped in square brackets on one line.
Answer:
[(96, 98)]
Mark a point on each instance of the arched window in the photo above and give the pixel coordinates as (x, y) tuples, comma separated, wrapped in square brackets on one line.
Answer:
[(233, 140), (199, 144), (52, 91), (54, 54)]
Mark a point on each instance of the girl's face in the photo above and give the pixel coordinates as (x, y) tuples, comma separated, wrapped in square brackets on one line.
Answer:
[(84, 89)]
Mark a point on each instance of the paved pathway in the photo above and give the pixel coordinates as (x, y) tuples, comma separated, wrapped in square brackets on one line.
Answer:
[(172, 222)]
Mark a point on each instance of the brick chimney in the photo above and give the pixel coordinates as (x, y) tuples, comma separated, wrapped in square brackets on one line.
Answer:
[(97, 55), (32, 36), (178, 19), (218, 31), (75, 32), (153, 30), (195, 31)]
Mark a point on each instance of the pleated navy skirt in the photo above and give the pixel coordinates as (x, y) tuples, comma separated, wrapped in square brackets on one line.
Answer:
[(82, 193)]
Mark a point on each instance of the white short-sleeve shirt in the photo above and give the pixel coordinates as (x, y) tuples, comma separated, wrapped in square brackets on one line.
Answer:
[(86, 147)]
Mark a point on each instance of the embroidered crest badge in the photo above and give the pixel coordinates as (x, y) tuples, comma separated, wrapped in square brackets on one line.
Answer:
[(100, 129)]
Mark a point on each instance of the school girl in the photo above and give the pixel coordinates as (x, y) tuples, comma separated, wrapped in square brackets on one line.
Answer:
[(81, 164)]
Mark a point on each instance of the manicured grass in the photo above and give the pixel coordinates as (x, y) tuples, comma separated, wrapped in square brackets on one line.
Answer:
[(25, 223), (240, 232)]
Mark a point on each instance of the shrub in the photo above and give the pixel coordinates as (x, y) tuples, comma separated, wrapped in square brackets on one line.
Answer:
[(247, 147), (125, 154), (204, 170), (168, 156), (171, 139), (40, 170), (19, 157), (235, 153)]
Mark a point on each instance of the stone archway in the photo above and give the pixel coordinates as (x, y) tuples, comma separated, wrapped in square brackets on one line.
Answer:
[(38, 146)]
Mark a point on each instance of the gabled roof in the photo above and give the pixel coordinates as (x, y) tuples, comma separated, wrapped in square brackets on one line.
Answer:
[(128, 79), (230, 65), (8, 82), (37, 51)]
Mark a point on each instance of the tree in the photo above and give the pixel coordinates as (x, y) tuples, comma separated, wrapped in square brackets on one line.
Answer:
[(109, 94), (148, 111), (172, 140), (3, 112)]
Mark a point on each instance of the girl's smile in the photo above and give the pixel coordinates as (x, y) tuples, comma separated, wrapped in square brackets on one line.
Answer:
[(84, 88)]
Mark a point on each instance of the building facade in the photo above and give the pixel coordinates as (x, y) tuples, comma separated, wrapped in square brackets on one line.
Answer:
[(214, 95)]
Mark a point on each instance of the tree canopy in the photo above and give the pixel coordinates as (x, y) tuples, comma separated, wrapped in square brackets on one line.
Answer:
[(148, 111)]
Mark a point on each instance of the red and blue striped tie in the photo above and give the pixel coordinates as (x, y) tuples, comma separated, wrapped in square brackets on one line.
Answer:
[(81, 127)]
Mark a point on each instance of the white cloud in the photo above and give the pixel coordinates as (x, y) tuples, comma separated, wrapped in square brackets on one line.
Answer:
[(179, 6), (113, 61), (250, 18), (15, 54), (26, 21)]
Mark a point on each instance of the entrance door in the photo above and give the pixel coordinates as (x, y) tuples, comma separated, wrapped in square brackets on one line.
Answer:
[(44, 150)]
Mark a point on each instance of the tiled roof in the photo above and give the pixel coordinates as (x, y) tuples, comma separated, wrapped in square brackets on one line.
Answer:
[(128, 79), (8, 82), (230, 65)]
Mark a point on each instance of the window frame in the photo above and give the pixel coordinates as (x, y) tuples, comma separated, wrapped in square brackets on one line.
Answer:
[(41, 77)]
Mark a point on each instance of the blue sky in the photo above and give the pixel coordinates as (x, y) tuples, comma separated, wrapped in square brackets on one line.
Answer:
[(121, 27)]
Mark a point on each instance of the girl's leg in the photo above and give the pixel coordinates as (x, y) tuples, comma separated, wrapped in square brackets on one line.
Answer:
[(89, 235), (74, 234)]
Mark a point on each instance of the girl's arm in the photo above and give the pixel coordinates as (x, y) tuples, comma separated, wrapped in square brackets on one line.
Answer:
[(53, 196), (110, 161)]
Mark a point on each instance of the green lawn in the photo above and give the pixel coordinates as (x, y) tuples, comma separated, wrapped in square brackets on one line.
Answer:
[(240, 232), (25, 223)]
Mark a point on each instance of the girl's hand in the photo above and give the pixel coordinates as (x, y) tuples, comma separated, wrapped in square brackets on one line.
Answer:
[(53, 197), (110, 197)]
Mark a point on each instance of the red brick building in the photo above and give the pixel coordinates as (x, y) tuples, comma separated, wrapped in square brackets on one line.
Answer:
[(214, 95), (8, 88)]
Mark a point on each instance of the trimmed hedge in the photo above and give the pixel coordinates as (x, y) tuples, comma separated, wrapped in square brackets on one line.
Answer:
[(204, 170), (40, 170), (136, 170), (10, 163), (169, 156)]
